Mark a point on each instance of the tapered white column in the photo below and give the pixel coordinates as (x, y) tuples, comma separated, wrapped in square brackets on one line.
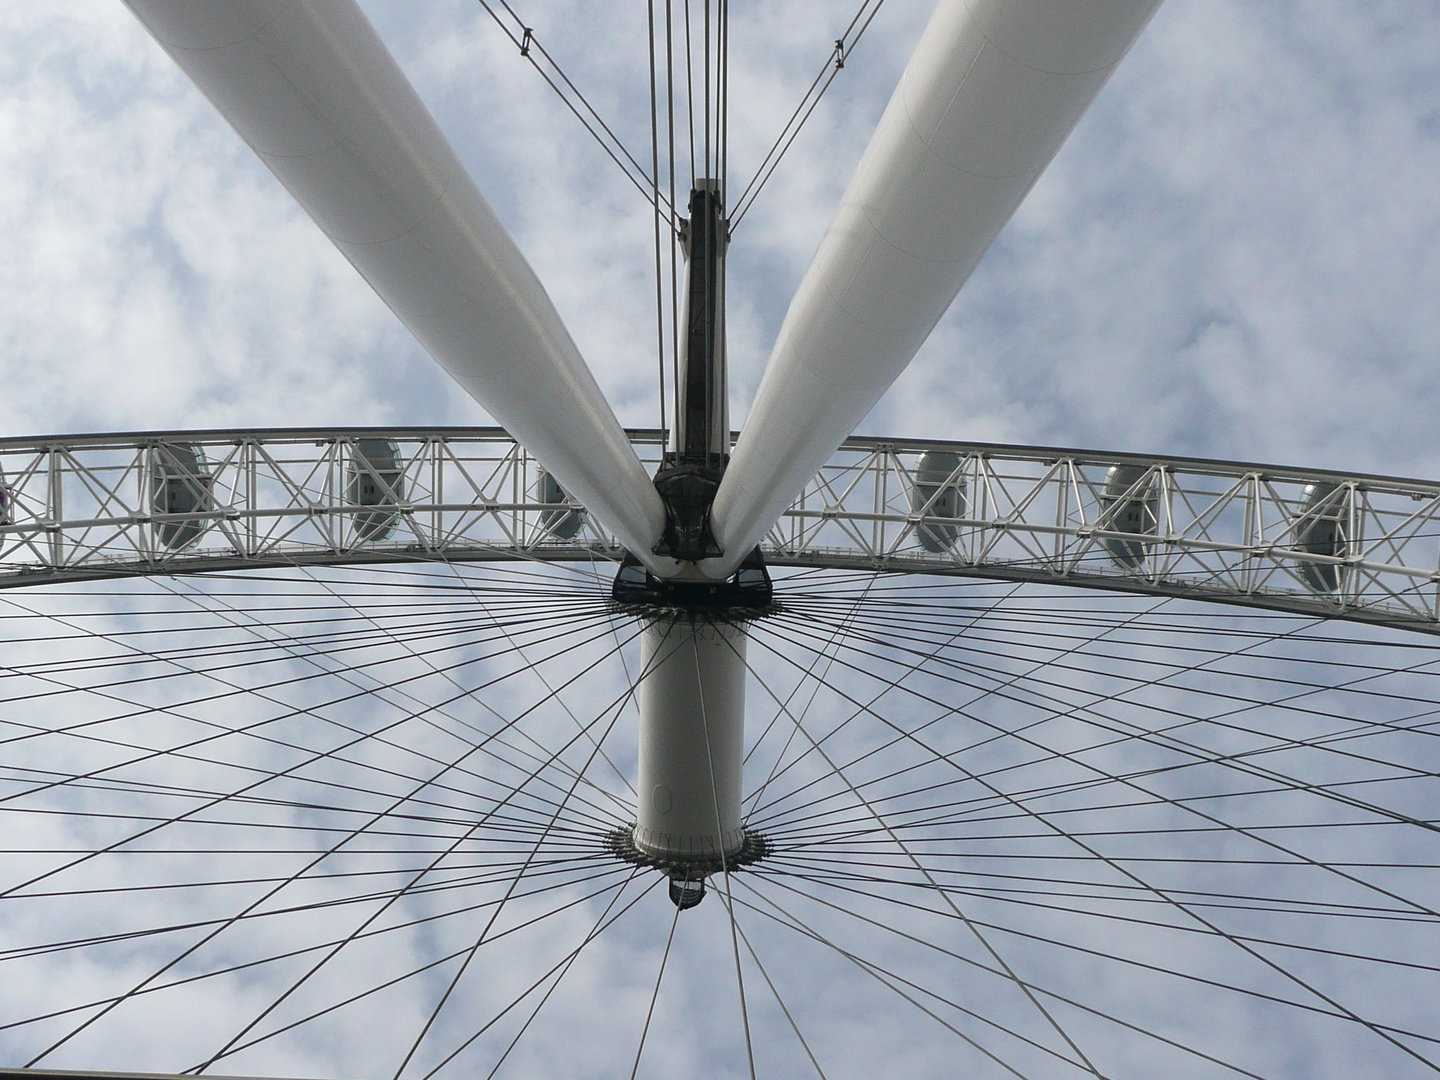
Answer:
[(993, 89), (692, 739), (313, 90)]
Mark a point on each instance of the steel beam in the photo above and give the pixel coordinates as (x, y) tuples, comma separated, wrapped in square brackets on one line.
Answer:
[(314, 92), (992, 91)]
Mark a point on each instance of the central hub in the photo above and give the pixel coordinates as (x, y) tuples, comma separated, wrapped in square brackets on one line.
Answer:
[(691, 686), (687, 877)]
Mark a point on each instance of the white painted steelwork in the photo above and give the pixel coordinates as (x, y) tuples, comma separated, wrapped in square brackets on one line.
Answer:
[(992, 91), (80, 507), (313, 91), (692, 739)]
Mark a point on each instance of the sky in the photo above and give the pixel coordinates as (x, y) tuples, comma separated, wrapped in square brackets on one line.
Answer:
[(1235, 255)]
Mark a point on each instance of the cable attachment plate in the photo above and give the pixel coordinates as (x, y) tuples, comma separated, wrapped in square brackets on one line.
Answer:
[(747, 594)]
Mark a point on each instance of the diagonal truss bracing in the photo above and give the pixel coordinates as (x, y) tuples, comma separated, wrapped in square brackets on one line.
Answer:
[(1334, 544)]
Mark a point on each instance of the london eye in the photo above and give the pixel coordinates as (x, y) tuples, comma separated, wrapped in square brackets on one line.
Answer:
[(562, 745)]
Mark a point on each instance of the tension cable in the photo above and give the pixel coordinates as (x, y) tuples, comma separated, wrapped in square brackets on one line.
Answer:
[(532, 50), (834, 64)]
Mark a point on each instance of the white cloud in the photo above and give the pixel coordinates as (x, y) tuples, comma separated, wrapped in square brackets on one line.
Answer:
[(1231, 257)]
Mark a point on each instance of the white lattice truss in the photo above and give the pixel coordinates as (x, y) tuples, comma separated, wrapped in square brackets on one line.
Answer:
[(1332, 544)]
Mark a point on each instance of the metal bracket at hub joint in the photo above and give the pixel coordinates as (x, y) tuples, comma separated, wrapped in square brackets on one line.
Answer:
[(747, 594), (687, 489)]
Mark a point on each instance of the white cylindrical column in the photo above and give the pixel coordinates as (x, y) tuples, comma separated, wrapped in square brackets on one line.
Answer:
[(692, 739)]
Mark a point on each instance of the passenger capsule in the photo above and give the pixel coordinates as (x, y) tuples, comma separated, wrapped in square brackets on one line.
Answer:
[(1320, 530), (563, 522), (180, 484), (376, 478), (938, 491), (1131, 504)]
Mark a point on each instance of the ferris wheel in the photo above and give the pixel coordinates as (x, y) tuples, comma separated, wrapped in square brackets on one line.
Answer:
[(566, 747)]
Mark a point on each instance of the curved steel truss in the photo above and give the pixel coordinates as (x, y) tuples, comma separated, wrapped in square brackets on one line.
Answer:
[(1332, 544)]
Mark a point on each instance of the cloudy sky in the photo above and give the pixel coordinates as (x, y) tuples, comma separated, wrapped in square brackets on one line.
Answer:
[(1236, 255)]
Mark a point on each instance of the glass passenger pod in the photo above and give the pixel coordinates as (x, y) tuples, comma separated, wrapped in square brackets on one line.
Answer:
[(1129, 504), (376, 477), (1320, 529), (563, 522), (938, 491), (180, 494)]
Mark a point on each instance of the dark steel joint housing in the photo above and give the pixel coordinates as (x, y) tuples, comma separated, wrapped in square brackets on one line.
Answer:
[(745, 595)]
